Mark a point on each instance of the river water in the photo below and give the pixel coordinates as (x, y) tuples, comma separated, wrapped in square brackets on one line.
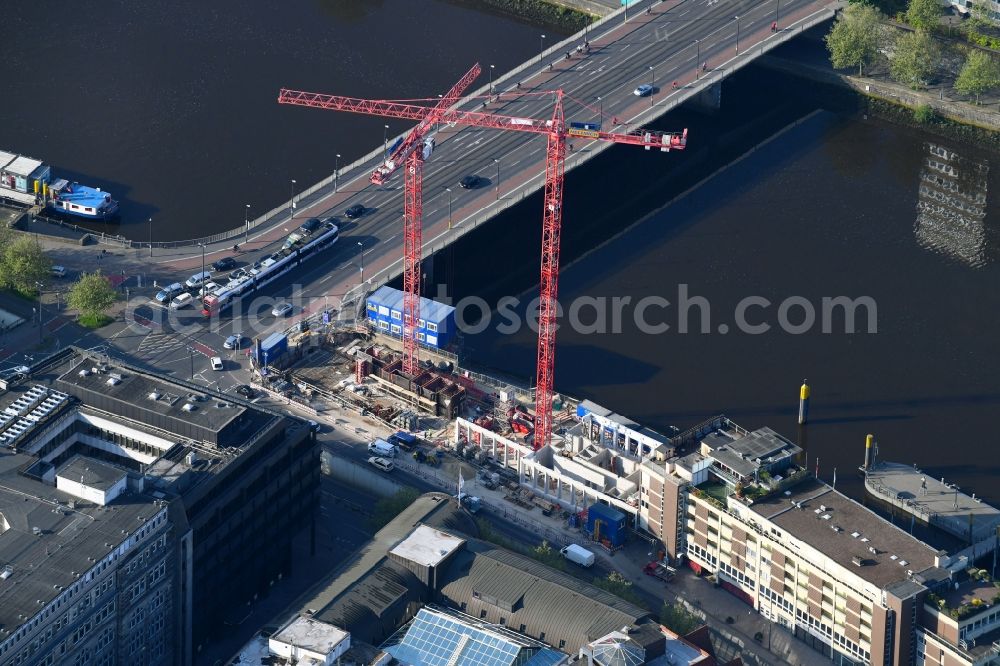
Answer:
[(173, 106), (825, 204)]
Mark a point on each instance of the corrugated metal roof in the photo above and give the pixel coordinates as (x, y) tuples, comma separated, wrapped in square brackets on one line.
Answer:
[(393, 299), (6, 158)]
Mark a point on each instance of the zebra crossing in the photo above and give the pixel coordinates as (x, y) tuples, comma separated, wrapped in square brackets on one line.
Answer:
[(158, 343)]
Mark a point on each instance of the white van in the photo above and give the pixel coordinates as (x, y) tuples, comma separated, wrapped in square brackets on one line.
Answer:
[(198, 279), (181, 301), (382, 448), (383, 464)]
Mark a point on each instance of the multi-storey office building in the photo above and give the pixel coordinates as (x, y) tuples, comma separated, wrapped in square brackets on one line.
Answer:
[(135, 510)]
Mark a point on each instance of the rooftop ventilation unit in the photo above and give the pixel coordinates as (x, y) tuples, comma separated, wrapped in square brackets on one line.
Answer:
[(188, 407), (822, 507), (84, 373), (7, 572), (153, 395), (855, 534), (114, 381)]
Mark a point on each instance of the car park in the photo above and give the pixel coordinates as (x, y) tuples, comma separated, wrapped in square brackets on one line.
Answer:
[(198, 279), (216, 362), (357, 210), (168, 292), (469, 182), (224, 264), (282, 310), (643, 91), (58, 271), (381, 463), (234, 341), (181, 301)]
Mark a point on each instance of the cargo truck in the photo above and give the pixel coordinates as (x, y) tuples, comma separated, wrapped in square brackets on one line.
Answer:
[(578, 555)]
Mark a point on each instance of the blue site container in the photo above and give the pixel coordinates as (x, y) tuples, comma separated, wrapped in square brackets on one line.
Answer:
[(608, 522), (271, 349)]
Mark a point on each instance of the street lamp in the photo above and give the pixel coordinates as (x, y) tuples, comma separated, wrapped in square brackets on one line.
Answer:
[(450, 199), (626, 10), (652, 78), (777, 6), (151, 237), (737, 19), (497, 160), (492, 67), (600, 118), (361, 245), (385, 144), (697, 59), (541, 47), (291, 208), (336, 173), (246, 222)]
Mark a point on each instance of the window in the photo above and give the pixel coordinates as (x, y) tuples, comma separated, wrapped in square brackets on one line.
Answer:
[(482, 614), (432, 327), (384, 325), (421, 323), (421, 337), (395, 329), (395, 314)]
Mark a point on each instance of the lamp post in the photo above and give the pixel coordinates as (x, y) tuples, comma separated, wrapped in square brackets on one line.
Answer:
[(737, 19), (697, 59), (777, 7), (291, 207), (600, 100), (191, 357), (497, 160), (541, 47), (626, 11), (151, 237), (385, 143), (451, 197), (492, 67), (202, 246), (246, 222), (652, 78), (361, 245), (336, 173)]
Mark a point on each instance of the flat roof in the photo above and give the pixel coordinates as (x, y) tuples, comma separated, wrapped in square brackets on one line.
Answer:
[(91, 473), (6, 158), (22, 166), (308, 634), (427, 546), (842, 529), (68, 540)]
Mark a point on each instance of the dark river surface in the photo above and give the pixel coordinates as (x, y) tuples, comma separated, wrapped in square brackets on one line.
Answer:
[(173, 106)]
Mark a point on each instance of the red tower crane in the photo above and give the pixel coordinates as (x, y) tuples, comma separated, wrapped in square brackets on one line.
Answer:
[(556, 131)]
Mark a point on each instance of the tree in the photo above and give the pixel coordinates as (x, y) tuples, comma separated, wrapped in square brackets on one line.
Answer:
[(979, 16), (855, 38), (923, 14), (676, 618), (979, 74), (23, 264), (549, 556), (914, 59), (388, 508), (619, 586)]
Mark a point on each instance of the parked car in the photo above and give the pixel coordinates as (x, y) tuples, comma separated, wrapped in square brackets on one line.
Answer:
[(181, 301), (224, 264), (469, 182), (282, 310), (216, 362), (357, 210), (168, 292), (234, 341), (198, 279), (311, 225), (644, 90), (58, 271), (381, 464), (207, 288)]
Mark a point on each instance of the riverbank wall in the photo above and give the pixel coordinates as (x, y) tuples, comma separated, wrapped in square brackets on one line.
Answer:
[(563, 15)]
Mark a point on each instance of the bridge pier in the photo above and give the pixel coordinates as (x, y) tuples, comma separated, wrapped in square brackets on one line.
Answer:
[(708, 98)]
